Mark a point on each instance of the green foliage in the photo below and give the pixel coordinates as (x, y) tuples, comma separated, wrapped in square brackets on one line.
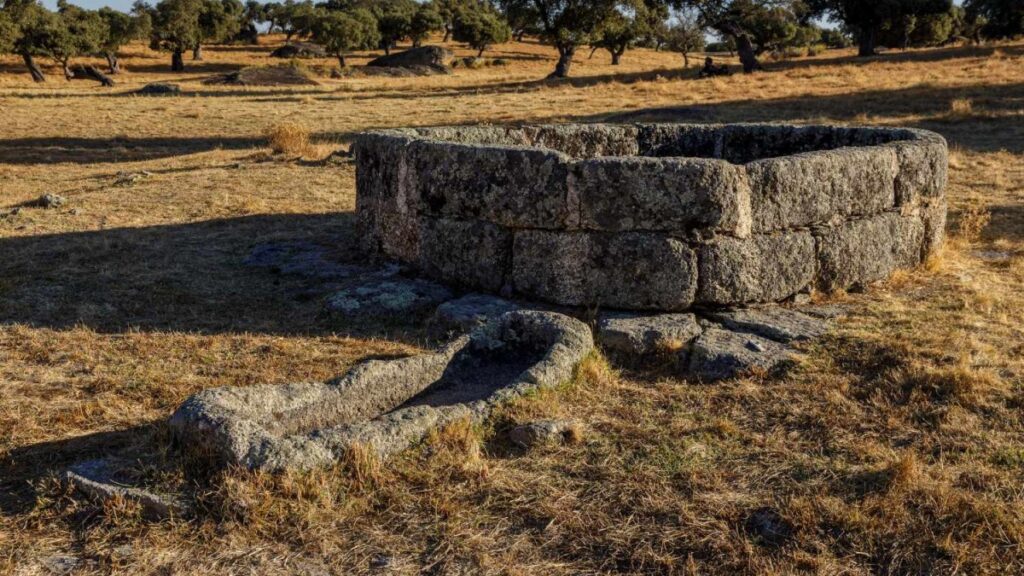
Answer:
[(522, 16), (176, 25), (425, 21), (869, 19), (567, 24), (8, 32), (220, 20), (997, 18), (480, 27), (394, 20), (626, 26), (340, 32), (685, 36), (836, 38), (293, 18), (73, 32), (123, 28)]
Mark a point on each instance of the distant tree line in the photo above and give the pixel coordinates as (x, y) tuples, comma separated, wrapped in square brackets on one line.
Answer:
[(749, 28)]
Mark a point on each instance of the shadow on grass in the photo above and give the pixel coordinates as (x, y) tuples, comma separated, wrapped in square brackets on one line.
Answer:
[(118, 149), (187, 278)]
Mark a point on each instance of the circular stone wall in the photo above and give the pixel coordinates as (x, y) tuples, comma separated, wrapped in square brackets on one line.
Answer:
[(655, 216)]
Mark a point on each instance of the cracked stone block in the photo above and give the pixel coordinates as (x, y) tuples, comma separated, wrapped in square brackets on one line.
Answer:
[(638, 335), (756, 269), (464, 314), (817, 187), (859, 252), (383, 405), (389, 298), (630, 270), (721, 354), (773, 322), (473, 254), (663, 194)]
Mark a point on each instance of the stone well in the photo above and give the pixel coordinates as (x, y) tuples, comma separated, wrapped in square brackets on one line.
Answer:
[(653, 216)]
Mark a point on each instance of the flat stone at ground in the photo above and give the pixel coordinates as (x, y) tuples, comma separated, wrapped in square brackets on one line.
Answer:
[(464, 314), (720, 354), (159, 89), (97, 479), (392, 297), (299, 258), (638, 335), (543, 432), (774, 322)]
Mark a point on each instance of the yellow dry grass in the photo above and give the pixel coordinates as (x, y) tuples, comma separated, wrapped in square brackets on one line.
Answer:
[(897, 446)]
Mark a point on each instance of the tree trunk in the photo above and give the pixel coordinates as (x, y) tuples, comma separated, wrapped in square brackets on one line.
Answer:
[(866, 43), (84, 71), (387, 48), (177, 62), (616, 55), (68, 74), (480, 53), (197, 52), (33, 68), (341, 60), (746, 51), (686, 60), (565, 54), (447, 34), (112, 62), (417, 42)]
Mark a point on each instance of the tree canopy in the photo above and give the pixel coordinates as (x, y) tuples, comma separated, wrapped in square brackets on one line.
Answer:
[(480, 26), (343, 31)]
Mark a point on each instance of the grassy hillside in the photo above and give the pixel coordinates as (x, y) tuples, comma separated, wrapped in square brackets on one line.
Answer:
[(896, 446)]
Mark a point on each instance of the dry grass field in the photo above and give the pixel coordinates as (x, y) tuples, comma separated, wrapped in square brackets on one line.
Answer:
[(895, 447)]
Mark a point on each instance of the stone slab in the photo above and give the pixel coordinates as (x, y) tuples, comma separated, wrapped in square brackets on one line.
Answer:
[(97, 479), (773, 322), (756, 269), (639, 335), (859, 252), (390, 298), (721, 354), (472, 310), (476, 255)]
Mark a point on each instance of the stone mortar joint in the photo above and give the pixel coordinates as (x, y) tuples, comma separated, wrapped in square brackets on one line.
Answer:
[(652, 216), (383, 405)]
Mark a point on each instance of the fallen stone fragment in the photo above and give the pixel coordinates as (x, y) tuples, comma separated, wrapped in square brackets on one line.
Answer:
[(61, 564), (720, 354), (470, 311), (543, 432), (383, 406), (50, 201), (97, 479), (389, 298), (159, 89), (638, 335), (773, 322)]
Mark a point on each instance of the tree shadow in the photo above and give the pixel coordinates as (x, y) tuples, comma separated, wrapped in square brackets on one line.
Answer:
[(189, 278), (47, 150)]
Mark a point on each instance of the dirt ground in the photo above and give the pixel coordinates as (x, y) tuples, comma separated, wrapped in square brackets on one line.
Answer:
[(896, 446)]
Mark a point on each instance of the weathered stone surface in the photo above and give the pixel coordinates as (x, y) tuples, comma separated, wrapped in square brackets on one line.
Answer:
[(719, 354), (631, 270), (641, 271), (859, 252), (433, 56), (923, 167), (638, 335), (300, 258), (473, 254), (515, 187), (542, 432), (773, 322), (159, 89), (664, 194), (585, 140), (464, 314), (751, 199), (391, 298), (756, 269), (934, 219), (97, 479), (552, 266), (300, 50), (383, 405), (817, 187)]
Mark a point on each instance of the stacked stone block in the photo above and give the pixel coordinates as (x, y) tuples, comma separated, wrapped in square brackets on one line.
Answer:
[(653, 217)]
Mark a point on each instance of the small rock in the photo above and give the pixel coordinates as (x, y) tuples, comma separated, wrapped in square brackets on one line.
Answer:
[(773, 322), (470, 311), (123, 552), (768, 527), (543, 432), (159, 89), (51, 201), (719, 354), (60, 564), (638, 335), (389, 298), (380, 561)]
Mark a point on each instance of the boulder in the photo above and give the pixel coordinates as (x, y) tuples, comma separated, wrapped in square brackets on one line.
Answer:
[(542, 432), (300, 50), (432, 56), (159, 89)]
